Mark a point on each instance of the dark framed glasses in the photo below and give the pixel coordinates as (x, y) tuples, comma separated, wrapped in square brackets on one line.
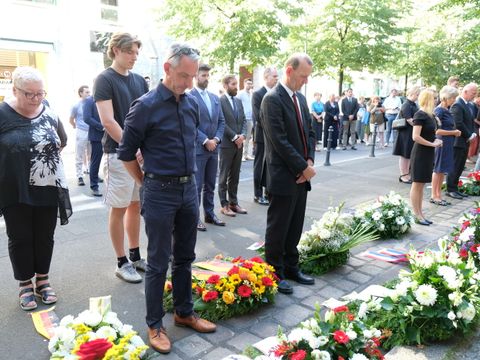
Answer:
[(30, 96)]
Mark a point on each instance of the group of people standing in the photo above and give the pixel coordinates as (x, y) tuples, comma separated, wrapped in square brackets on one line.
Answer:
[(161, 149)]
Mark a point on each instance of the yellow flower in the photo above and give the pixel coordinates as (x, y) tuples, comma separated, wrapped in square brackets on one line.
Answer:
[(221, 284), (168, 286), (235, 279), (229, 287), (252, 278), (243, 273), (81, 328), (258, 268), (194, 285), (260, 289), (228, 297)]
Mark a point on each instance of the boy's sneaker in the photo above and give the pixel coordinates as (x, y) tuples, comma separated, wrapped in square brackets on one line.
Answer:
[(140, 265), (128, 273)]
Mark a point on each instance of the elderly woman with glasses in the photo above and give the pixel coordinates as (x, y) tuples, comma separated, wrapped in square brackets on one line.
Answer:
[(33, 189)]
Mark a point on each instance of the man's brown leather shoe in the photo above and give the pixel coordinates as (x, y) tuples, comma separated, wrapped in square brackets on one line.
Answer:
[(159, 340), (226, 211), (195, 322), (238, 209)]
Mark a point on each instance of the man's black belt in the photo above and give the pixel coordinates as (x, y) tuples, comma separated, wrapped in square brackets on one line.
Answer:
[(173, 179)]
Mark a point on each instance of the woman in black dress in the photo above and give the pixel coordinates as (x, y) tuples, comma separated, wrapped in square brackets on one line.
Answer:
[(444, 155), (423, 152), (331, 119), (404, 144)]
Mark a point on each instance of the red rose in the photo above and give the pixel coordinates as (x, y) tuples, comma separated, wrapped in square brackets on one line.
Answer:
[(213, 279), (474, 248), (94, 350), (298, 355), (247, 265), (233, 270), (237, 259), (209, 296), (463, 253), (460, 183), (257, 259), (267, 281), (340, 337), (350, 317), (199, 290), (340, 358), (244, 291), (340, 309)]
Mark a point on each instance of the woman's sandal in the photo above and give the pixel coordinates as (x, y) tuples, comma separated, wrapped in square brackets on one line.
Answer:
[(27, 299), (45, 291), (440, 202)]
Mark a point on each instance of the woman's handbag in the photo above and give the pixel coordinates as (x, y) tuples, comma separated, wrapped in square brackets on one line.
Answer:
[(399, 123)]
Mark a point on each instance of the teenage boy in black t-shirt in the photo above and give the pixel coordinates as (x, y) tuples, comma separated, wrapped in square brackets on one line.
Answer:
[(115, 89)]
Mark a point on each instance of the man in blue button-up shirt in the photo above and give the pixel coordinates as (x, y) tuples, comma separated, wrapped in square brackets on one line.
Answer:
[(163, 125)]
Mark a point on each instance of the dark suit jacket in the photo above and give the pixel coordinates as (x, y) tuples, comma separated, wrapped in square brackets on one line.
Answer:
[(349, 108), (209, 127), (284, 151), (90, 116), (331, 111), (233, 126), (463, 121), (257, 98)]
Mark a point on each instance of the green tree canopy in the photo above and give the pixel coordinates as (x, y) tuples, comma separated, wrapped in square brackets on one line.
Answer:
[(349, 35), (229, 32)]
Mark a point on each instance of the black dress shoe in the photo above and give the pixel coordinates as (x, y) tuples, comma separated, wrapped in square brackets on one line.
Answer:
[(455, 195), (214, 220), (261, 200), (284, 287), (301, 278)]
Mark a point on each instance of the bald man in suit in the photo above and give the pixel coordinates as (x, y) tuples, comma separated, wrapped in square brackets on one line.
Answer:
[(289, 153)]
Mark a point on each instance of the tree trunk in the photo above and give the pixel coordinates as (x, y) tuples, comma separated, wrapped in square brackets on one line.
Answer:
[(340, 80), (406, 84), (232, 65)]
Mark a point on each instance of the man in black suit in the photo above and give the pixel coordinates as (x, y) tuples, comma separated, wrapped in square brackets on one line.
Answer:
[(270, 76), (289, 155), (209, 135), (463, 116), (231, 148), (349, 119)]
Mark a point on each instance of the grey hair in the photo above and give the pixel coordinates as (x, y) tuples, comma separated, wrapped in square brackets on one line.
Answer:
[(414, 90), (177, 50), (25, 74), (448, 92), (294, 60), (268, 71)]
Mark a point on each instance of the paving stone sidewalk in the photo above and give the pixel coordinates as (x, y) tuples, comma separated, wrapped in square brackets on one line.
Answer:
[(235, 335)]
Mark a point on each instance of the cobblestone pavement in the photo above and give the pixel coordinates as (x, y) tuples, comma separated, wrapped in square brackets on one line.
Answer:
[(83, 263)]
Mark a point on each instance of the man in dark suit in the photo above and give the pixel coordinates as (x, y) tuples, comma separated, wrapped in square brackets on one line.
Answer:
[(270, 76), (209, 135), (95, 135), (463, 116), (231, 148), (349, 119), (289, 154)]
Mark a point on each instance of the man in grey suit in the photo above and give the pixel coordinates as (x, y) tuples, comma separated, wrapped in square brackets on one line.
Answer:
[(349, 119), (463, 116), (289, 154), (231, 148), (209, 135)]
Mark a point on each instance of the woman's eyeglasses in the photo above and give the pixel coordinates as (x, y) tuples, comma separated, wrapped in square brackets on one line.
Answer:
[(30, 96)]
